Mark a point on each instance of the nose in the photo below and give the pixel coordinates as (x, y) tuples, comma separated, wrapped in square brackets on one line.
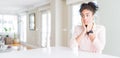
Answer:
[(85, 17)]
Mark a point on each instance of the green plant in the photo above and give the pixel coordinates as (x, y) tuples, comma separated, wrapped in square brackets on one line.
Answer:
[(7, 30)]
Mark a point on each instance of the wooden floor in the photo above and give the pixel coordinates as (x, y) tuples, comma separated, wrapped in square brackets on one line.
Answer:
[(21, 46)]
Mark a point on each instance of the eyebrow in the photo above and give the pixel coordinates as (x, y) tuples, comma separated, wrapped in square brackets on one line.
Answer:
[(83, 14)]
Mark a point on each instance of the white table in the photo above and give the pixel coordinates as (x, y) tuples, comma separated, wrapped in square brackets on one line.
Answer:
[(54, 52)]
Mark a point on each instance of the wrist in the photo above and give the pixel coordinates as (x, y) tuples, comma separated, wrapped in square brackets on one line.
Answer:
[(91, 31)]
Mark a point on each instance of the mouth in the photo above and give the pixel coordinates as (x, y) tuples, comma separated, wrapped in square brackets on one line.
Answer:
[(86, 26)]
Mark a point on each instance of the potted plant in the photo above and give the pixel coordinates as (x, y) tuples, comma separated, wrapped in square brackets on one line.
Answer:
[(7, 39), (15, 40)]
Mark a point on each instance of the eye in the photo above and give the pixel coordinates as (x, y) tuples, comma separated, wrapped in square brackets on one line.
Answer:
[(82, 16), (87, 15)]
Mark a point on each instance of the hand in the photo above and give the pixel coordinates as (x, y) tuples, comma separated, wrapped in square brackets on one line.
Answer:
[(84, 27), (91, 36), (82, 34)]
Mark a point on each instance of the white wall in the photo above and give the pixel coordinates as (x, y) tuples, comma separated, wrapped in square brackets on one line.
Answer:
[(59, 24), (110, 17), (31, 35)]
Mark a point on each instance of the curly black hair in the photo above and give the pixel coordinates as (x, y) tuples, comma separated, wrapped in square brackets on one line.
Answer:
[(89, 6)]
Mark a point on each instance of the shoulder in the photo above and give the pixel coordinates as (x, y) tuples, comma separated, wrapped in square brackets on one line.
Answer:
[(100, 27)]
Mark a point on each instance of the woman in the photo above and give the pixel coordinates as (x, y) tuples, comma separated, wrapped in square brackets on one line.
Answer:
[(89, 37)]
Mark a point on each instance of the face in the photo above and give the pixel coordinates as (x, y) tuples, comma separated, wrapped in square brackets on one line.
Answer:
[(87, 16)]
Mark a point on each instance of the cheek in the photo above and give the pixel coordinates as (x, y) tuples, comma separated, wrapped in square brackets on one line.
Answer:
[(90, 20)]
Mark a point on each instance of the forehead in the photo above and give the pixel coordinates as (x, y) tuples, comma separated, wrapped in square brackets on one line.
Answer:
[(85, 11)]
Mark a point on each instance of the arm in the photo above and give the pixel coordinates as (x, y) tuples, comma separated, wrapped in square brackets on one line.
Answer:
[(73, 41), (80, 36), (99, 41), (77, 35), (83, 32)]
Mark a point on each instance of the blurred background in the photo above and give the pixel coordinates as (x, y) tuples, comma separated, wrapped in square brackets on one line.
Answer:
[(44, 23)]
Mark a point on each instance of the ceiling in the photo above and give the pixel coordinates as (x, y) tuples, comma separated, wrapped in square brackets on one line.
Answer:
[(13, 6)]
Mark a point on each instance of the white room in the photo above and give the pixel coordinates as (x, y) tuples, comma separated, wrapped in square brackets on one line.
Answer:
[(42, 25)]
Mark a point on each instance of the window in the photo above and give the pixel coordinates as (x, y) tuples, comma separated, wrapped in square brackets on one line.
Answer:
[(22, 28), (46, 28), (8, 25), (76, 18)]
